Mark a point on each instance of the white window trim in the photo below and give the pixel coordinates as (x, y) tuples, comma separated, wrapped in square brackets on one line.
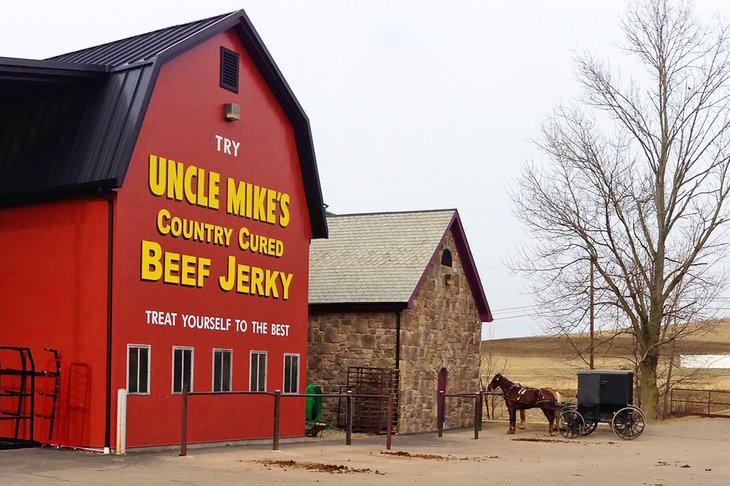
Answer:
[(192, 369), (212, 371), (149, 367), (250, 366), (299, 368)]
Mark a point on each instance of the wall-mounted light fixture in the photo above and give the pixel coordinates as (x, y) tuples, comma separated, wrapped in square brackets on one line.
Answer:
[(232, 111)]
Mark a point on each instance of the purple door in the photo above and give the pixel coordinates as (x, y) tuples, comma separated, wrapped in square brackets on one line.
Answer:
[(441, 401)]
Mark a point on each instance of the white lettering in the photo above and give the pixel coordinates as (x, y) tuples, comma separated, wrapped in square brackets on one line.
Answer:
[(227, 145), (160, 318), (279, 329)]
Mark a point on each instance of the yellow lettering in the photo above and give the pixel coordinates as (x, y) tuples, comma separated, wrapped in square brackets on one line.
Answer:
[(163, 216), (172, 268), (243, 279), (203, 271), (249, 200), (151, 266), (157, 175), (227, 282), (243, 234), (190, 174), (257, 281), (187, 274), (284, 205), (235, 198), (271, 206), (271, 287), (175, 180), (202, 196), (215, 190), (286, 279)]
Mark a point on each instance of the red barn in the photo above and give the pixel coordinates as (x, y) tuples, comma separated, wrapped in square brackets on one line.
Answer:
[(158, 195)]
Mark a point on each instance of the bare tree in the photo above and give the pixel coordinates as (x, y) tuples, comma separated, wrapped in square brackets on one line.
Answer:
[(489, 365), (636, 182)]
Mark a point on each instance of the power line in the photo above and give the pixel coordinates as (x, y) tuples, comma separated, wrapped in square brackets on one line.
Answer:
[(519, 307)]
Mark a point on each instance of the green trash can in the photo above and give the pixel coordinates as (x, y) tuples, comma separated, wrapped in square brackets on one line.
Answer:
[(313, 411)]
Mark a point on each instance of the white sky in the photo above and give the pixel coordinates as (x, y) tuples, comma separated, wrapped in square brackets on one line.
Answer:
[(414, 104)]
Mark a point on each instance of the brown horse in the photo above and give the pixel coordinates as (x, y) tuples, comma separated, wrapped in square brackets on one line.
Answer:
[(518, 397)]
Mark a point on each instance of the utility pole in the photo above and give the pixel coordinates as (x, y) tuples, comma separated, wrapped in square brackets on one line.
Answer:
[(592, 316)]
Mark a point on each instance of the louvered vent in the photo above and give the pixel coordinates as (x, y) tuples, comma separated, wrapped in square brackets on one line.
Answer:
[(229, 70)]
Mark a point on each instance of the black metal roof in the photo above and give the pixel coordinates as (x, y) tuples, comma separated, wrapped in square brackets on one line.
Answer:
[(139, 48), (70, 123)]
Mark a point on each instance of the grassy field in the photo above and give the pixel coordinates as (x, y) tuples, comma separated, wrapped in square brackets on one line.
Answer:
[(546, 361)]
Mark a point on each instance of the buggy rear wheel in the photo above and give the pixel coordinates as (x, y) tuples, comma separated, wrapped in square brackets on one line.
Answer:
[(571, 423), (628, 423)]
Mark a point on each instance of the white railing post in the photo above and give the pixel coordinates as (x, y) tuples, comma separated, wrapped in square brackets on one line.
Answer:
[(121, 422)]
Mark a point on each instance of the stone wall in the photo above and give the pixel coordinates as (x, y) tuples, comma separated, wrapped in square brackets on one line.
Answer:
[(339, 340), (441, 330)]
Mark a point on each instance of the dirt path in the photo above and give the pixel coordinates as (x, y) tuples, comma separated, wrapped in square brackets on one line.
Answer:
[(689, 451)]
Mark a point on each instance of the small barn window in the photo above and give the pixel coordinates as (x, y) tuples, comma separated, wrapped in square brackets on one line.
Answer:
[(291, 373), (446, 258), (258, 371), (229, 70), (182, 369), (222, 370), (138, 369)]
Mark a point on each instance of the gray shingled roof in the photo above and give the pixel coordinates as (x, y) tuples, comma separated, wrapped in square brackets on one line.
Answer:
[(374, 258)]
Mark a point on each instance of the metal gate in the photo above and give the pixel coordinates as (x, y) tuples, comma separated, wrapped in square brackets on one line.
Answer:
[(22, 401), (706, 403), (369, 414)]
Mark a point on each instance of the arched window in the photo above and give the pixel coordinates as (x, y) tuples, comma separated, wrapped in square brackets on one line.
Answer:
[(446, 258)]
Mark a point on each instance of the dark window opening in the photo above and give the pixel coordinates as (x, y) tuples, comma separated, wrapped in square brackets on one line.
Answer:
[(222, 370), (138, 372), (229, 70), (291, 373), (258, 371), (182, 374), (446, 258)]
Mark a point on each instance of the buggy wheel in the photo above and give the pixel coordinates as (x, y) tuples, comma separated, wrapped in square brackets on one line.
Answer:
[(590, 426), (628, 423), (570, 424)]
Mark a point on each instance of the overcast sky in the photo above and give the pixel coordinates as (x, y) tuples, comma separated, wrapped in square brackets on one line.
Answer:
[(413, 104)]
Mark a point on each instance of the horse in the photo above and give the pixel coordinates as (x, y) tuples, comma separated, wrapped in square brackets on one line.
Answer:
[(519, 397)]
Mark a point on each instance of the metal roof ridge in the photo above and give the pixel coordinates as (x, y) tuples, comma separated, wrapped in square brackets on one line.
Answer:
[(384, 213), (223, 18)]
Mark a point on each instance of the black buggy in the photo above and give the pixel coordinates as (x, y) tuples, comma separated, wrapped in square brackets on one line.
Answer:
[(603, 396)]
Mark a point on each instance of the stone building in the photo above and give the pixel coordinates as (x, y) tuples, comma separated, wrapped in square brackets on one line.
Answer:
[(398, 291)]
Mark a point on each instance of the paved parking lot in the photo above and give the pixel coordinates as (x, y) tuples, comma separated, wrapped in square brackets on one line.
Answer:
[(687, 451)]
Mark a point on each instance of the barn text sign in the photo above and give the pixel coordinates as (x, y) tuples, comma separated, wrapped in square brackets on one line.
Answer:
[(195, 186)]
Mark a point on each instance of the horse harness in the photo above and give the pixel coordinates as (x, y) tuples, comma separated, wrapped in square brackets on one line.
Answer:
[(542, 395)]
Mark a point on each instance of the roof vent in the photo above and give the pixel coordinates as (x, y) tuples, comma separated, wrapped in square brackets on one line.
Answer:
[(229, 70)]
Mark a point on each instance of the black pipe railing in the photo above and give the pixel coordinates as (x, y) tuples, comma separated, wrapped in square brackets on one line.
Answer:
[(478, 410), (277, 396)]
